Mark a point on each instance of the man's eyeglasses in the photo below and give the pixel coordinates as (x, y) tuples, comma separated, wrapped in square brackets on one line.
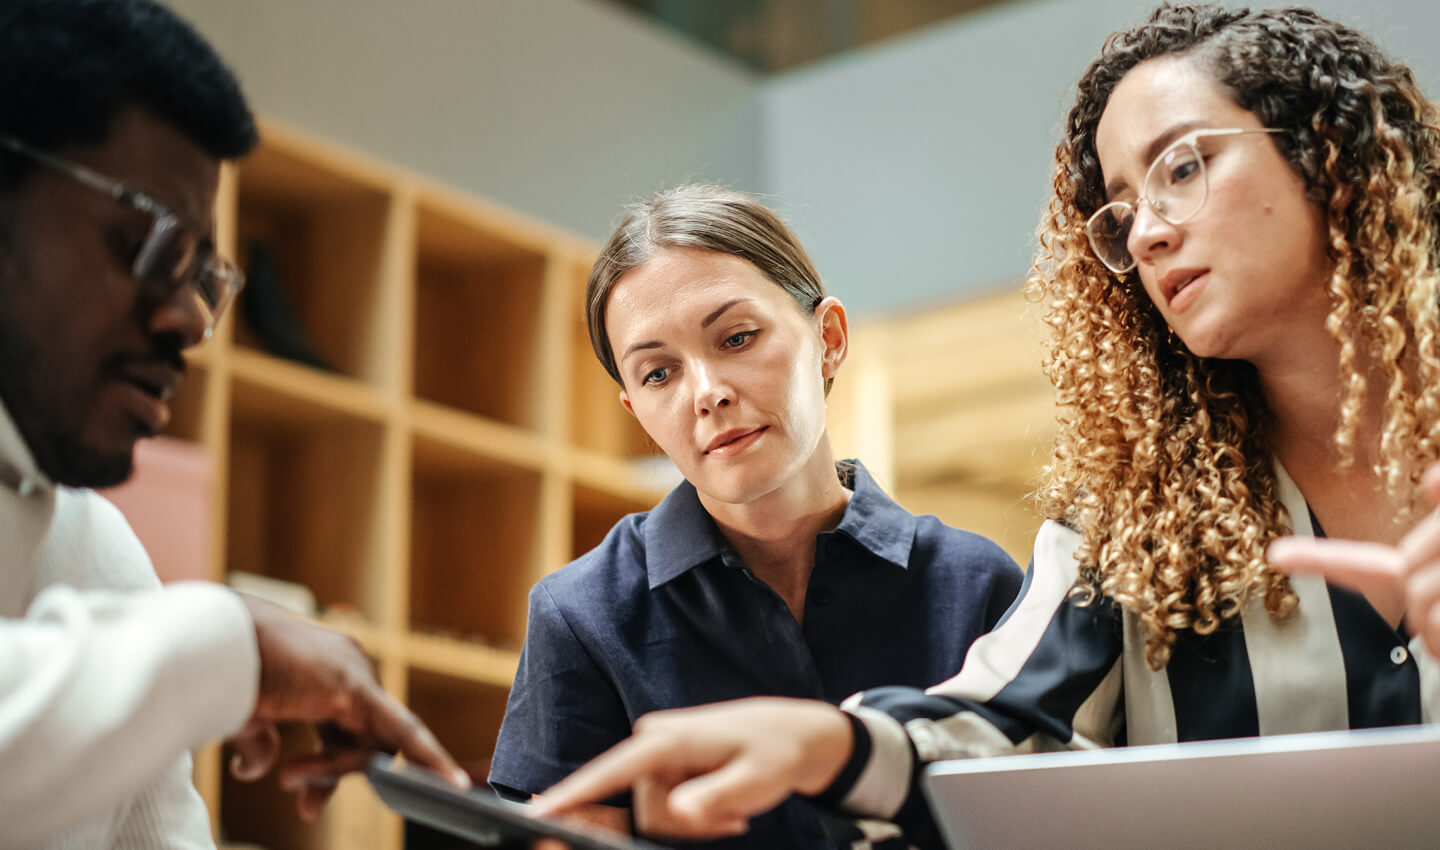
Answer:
[(173, 254), (1175, 188)]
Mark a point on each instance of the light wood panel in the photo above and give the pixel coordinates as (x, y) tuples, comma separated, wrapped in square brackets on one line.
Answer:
[(948, 407)]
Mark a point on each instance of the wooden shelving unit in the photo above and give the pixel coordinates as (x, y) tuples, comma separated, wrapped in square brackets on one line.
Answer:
[(463, 444)]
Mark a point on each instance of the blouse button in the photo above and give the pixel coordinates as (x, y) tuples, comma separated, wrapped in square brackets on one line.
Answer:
[(1399, 655)]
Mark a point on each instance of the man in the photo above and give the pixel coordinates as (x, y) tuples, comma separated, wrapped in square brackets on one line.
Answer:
[(114, 119)]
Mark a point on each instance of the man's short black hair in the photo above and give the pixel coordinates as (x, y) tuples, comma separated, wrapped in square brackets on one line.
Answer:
[(68, 67)]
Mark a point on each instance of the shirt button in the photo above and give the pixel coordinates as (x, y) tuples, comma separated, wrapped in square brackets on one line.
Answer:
[(820, 595), (1399, 655)]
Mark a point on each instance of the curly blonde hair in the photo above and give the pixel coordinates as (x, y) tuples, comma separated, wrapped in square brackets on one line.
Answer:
[(1162, 463)]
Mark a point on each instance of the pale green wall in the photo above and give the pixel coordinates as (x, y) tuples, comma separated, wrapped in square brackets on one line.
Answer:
[(564, 109), (914, 170)]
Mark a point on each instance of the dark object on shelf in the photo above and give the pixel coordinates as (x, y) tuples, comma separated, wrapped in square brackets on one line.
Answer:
[(269, 314)]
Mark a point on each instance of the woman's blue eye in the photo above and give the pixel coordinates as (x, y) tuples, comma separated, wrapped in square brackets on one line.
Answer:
[(739, 339), (656, 376)]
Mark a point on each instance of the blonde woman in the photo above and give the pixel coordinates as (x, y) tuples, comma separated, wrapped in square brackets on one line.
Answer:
[(1238, 266), (772, 569)]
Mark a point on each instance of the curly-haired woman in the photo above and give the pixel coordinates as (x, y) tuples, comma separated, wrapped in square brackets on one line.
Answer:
[(1239, 270)]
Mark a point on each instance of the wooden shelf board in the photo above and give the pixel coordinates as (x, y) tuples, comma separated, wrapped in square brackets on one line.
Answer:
[(445, 437), (272, 389), (611, 475), (474, 662)]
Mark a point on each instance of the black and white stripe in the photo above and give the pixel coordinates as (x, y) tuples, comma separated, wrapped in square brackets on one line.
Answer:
[(1058, 675)]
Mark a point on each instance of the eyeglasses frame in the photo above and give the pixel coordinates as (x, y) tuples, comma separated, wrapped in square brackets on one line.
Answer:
[(163, 221), (1188, 139)]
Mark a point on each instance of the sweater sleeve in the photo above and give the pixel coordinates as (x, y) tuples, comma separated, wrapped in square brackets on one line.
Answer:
[(103, 692), (1047, 678)]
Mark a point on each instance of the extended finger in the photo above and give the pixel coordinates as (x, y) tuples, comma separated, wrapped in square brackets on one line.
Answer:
[(257, 748), (1422, 544), (1430, 631), (395, 725), (1363, 567), (615, 770), (1422, 596), (1430, 485)]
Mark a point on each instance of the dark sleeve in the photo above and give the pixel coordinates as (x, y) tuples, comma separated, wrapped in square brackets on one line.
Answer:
[(1004, 581), (1047, 677), (562, 712)]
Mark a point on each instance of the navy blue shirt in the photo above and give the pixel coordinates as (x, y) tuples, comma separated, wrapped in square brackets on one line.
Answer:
[(664, 614)]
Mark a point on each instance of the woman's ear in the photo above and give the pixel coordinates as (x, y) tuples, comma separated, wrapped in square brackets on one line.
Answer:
[(834, 335), (625, 402)]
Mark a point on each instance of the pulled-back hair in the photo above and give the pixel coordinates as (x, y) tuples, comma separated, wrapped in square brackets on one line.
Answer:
[(708, 217), (68, 67), (1162, 461)]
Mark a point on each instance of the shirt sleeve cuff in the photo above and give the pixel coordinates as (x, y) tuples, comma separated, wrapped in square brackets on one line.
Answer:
[(221, 651), (876, 780)]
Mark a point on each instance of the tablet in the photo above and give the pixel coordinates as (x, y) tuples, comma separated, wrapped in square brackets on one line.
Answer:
[(1363, 788), (479, 815)]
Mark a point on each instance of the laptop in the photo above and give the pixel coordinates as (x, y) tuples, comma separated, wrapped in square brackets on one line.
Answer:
[(1363, 788), (479, 815)]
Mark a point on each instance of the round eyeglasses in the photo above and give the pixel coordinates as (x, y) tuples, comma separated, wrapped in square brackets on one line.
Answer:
[(1175, 187)]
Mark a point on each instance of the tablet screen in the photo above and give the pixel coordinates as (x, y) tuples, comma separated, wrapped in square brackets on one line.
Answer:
[(479, 815)]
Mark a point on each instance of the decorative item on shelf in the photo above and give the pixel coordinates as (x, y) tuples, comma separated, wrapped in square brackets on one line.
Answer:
[(269, 314), (167, 502)]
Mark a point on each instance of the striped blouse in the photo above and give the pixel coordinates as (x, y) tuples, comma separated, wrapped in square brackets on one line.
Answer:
[(1058, 675)]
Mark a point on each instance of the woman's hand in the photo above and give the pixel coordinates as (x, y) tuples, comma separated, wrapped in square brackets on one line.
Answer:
[(1411, 569), (700, 773)]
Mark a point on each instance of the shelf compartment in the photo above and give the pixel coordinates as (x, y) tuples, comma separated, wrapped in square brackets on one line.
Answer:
[(464, 714), (331, 237), (473, 544), (478, 308), (306, 497), (595, 511)]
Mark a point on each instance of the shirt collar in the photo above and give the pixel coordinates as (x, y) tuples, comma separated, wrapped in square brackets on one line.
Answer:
[(875, 521), (17, 466), (680, 535)]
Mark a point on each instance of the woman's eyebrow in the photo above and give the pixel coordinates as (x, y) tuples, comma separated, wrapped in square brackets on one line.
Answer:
[(715, 314), (1156, 146)]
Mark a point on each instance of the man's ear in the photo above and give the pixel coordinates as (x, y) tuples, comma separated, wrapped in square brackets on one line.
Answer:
[(625, 402), (834, 335)]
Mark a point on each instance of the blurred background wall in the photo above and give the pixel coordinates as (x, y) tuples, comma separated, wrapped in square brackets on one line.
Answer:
[(913, 168)]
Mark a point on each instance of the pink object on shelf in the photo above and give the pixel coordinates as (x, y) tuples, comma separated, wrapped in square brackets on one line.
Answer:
[(167, 502)]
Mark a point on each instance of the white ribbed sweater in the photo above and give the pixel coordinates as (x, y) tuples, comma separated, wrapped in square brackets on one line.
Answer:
[(106, 681)]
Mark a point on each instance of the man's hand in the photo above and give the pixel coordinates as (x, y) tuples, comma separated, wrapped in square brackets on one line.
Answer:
[(1411, 569), (312, 675), (703, 772)]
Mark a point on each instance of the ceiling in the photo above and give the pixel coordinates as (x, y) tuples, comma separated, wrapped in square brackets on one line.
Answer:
[(777, 35)]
